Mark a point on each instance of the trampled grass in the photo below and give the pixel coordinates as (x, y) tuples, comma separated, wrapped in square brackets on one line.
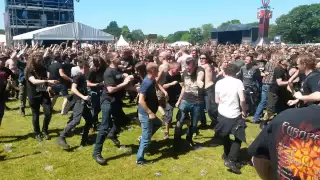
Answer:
[(30, 159)]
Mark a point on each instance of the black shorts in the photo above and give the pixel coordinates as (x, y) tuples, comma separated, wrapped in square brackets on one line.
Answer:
[(60, 89)]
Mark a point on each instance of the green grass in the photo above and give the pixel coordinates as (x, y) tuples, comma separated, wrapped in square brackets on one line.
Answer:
[(29, 158)]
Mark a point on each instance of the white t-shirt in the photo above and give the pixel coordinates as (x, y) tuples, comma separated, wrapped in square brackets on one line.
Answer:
[(227, 91)]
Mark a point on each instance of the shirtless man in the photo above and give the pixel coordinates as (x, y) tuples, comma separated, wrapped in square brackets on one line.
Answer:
[(164, 58), (182, 58), (210, 78)]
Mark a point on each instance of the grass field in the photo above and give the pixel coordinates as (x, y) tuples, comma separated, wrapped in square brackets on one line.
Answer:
[(29, 159)]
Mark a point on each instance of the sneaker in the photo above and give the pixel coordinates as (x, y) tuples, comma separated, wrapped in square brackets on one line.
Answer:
[(143, 162), (45, 136), (38, 138), (232, 166), (63, 143)]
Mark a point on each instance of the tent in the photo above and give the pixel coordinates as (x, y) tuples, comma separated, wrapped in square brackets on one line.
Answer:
[(121, 42), (181, 43), (69, 31), (2, 39)]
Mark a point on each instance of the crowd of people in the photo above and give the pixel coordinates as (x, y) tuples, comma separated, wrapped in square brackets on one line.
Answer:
[(226, 82)]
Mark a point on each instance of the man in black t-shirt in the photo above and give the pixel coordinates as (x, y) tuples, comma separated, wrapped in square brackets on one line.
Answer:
[(311, 83), (171, 82), (95, 86), (278, 94), (111, 104), (56, 72), (5, 73), (288, 148), (82, 100), (190, 100)]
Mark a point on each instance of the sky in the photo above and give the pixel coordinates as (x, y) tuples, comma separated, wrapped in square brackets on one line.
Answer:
[(168, 16)]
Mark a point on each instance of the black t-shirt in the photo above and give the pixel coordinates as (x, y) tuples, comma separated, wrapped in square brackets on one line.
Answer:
[(54, 71), (81, 82), (5, 73), (292, 143), (36, 90), (175, 90), (112, 77), (279, 73), (250, 75), (192, 93)]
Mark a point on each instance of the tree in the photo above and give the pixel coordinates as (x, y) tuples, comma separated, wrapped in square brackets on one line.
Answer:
[(206, 31), (234, 21), (272, 31), (301, 24), (185, 37), (196, 35), (113, 29), (177, 35), (170, 38), (159, 39), (253, 24), (2, 31), (125, 32), (137, 35)]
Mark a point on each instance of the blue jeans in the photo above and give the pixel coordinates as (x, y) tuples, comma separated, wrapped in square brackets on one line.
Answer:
[(149, 127), (185, 108), (107, 126), (263, 102)]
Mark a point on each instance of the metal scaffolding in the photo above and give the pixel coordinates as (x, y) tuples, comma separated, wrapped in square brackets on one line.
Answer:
[(23, 16)]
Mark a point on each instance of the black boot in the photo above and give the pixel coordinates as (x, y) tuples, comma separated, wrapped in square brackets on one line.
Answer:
[(99, 159)]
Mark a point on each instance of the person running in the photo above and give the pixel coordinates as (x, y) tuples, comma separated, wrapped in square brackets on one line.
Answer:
[(148, 106), (82, 100)]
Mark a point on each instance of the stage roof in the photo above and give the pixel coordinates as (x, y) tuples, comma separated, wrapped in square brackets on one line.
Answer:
[(234, 27), (69, 31)]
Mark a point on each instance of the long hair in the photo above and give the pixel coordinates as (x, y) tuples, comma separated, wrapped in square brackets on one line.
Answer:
[(34, 63)]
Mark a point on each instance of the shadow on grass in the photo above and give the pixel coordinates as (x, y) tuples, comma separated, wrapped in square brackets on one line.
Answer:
[(53, 133), (3, 157)]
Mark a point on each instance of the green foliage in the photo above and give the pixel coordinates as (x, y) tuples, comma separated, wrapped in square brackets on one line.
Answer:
[(185, 37), (137, 35), (125, 32), (301, 24), (253, 24), (113, 29), (206, 30), (2, 31), (196, 35), (234, 21), (170, 38), (272, 31), (159, 39)]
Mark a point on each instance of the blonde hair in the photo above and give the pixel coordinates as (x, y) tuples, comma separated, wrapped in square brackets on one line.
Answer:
[(151, 66)]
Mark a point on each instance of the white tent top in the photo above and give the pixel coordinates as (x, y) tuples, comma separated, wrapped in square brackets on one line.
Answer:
[(181, 43), (121, 42), (69, 31), (2, 39)]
